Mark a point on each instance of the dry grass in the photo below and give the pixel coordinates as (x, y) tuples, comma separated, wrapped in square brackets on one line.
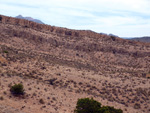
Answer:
[(59, 66)]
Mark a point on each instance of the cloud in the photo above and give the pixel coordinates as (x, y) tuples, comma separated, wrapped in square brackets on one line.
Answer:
[(120, 17)]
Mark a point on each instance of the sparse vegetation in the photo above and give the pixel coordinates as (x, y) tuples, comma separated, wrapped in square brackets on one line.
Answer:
[(1, 98), (86, 105), (5, 51), (148, 75), (17, 89), (137, 106), (41, 101), (83, 65)]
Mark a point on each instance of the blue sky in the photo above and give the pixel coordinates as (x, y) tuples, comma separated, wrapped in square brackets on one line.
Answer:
[(125, 18)]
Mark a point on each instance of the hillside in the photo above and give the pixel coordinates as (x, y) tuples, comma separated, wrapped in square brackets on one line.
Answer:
[(60, 65), (141, 39)]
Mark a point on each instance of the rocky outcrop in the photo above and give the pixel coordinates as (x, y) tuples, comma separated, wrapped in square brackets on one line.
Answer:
[(53, 29)]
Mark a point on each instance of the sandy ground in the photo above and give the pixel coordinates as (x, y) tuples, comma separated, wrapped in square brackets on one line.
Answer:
[(57, 66), (69, 85)]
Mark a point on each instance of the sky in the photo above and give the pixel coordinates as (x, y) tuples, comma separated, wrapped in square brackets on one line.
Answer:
[(124, 18)]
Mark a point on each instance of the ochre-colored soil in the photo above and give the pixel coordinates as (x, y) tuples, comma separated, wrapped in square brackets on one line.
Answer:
[(59, 66)]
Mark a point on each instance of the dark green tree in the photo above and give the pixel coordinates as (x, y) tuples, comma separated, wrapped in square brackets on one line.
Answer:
[(109, 109), (87, 105)]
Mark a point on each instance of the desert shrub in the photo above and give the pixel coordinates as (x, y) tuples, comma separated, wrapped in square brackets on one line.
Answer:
[(51, 81), (41, 101), (1, 98), (109, 109), (86, 105), (113, 38), (137, 106), (5, 51), (17, 89)]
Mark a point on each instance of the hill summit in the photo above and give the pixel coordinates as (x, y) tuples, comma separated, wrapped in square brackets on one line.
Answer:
[(30, 19)]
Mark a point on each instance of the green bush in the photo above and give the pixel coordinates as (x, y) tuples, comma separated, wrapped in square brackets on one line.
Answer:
[(17, 89), (5, 51), (86, 105), (109, 109)]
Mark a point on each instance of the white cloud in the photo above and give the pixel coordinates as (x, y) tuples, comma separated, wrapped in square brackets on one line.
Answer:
[(120, 17)]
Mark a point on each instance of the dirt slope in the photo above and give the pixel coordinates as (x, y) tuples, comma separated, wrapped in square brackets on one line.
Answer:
[(60, 65)]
